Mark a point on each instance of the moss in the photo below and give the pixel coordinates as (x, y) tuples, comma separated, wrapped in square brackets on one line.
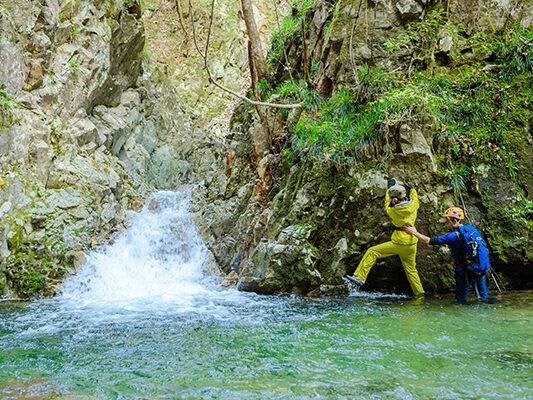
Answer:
[(6, 114), (33, 267), (445, 278)]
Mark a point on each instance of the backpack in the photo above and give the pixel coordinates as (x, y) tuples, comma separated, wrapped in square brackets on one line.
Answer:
[(476, 253)]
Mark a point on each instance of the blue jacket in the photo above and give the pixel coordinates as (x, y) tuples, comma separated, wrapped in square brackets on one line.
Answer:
[(453, 240)]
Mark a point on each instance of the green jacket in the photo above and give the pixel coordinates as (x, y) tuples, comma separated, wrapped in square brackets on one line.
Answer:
[(403, 215)]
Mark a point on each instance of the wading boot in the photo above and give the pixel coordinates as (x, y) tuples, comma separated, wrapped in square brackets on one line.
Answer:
[(353, 281)]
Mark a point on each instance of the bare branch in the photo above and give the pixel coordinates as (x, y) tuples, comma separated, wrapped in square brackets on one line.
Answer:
[(206, 66), (182, 22), (306, 57)]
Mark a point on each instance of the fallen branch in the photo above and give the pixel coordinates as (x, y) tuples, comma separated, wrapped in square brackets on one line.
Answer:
[(206, 66)]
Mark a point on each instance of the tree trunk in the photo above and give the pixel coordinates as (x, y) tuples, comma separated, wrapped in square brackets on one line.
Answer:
[(266, 139), (253, 34)]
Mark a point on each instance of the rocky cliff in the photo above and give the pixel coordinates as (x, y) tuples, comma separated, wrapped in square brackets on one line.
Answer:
[(424, 91), (87, 129), (431, 92)]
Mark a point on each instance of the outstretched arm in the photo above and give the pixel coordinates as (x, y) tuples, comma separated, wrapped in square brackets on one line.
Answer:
[(412, 231), (390, 184)]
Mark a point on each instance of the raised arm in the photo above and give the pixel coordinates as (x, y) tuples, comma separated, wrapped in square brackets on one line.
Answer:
[(411, 192), (390, 184)]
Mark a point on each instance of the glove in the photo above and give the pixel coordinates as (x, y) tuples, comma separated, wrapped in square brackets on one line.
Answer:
[(391, 183), (408, 188)]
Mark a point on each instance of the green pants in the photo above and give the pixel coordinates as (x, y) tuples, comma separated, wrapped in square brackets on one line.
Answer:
[(407, 254)]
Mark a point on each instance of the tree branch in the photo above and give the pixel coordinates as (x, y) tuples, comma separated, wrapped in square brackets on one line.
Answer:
[(182, 22), (306, 58), (206, 66)]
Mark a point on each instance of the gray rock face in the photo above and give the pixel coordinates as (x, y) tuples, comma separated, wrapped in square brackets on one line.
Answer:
[(366, 26), (88, 131)]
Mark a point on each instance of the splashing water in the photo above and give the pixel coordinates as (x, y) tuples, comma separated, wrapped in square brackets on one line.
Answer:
[(158, 262), (142, 320)]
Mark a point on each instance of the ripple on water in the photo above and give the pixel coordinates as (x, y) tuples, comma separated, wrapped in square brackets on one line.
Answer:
[(141, 322)]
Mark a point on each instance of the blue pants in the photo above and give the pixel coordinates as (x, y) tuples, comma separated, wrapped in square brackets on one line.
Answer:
[(462, 285)]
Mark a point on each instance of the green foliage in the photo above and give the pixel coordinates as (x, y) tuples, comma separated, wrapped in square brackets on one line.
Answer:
[(55, 139), (514, 51), (457, 178), (52, 76), (32, 271), (299, 92), (289, 29), (6, 115), (338, 129), (5, 99), (74, 65), (480, 115), (28, 281), (424, 37), (264, 88), (522, 209), (354, 122)]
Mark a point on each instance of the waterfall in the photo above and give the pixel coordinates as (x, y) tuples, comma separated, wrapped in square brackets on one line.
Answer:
[(159, 259)]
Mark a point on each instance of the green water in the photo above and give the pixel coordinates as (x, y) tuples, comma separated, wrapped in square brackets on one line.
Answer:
[(251, 347)]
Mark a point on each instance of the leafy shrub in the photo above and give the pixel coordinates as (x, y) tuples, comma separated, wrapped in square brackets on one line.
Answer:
[(514, 51), (289, 29)]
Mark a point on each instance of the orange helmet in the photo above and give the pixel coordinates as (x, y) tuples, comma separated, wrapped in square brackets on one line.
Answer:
[(453, 212)]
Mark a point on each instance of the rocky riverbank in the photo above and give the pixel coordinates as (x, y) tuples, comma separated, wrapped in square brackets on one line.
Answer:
[(88, 128)]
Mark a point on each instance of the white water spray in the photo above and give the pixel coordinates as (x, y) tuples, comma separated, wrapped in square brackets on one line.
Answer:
[(160, 259)]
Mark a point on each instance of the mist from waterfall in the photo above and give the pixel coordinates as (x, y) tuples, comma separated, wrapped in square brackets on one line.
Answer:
[(158, 262)]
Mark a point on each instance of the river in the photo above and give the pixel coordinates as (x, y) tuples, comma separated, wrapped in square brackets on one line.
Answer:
[(142, 320)]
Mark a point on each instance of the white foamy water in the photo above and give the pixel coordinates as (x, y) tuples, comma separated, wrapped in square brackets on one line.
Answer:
[(157, 266), (159, 261)]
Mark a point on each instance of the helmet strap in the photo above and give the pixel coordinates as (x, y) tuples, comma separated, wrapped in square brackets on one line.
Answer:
[(454, 225)]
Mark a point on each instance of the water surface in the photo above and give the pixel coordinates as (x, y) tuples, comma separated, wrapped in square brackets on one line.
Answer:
[(142, 320)]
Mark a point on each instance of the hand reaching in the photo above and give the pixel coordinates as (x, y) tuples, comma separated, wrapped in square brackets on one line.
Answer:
[(408, 229)]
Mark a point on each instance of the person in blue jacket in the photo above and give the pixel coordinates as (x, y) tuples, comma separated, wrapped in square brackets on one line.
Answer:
[(468, 269)]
